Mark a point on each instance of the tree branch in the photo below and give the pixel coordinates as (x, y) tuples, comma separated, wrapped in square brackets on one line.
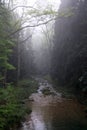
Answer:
[(22, 6), (30, 26)]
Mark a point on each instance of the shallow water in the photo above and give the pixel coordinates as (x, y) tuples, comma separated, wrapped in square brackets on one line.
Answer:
[(53, 112)]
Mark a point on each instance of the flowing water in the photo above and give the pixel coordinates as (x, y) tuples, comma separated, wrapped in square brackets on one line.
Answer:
[(52, 112)]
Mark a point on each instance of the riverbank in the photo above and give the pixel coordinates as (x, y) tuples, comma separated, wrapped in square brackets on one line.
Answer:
[(51, 111), (12, 103), (68, 91)]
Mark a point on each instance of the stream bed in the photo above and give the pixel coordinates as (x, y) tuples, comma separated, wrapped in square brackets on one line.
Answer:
[(52, 112)]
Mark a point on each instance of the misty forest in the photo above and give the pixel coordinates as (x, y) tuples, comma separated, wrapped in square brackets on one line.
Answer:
[(43, 65)]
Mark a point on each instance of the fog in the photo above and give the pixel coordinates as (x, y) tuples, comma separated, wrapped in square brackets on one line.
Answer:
[(43, 65), (41, 36)]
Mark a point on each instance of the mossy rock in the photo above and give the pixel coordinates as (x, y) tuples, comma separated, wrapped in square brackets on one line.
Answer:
[(47, 91)]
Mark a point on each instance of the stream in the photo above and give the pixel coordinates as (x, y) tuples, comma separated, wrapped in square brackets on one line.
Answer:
[(52, 112)]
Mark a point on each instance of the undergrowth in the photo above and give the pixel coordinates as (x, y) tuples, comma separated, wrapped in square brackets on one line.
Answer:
[(12, 106)]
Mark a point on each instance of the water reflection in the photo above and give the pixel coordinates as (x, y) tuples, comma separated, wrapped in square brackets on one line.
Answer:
[(38, 122), (65, 115), (55, 113)]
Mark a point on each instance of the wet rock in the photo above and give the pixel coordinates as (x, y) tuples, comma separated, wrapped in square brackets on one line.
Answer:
[(31, 98)]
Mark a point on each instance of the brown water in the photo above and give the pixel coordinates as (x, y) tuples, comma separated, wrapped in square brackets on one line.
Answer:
[(53, 112)]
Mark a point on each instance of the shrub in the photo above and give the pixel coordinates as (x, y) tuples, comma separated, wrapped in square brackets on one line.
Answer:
[(12, 108)]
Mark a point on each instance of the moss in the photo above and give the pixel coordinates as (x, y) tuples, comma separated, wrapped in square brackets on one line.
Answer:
[(47, 91)]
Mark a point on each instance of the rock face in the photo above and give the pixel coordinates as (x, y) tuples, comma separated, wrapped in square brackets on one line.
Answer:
[(69, 55)]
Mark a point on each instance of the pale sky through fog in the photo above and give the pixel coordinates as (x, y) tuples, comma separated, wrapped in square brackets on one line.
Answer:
[(38, 4), (42, 2)]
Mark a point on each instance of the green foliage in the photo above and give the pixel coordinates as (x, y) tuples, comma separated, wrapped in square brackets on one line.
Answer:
[(48, 11), (46, 91), (26, 87), (12, 107), (11, 112), (6, 43), (9, 66)]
